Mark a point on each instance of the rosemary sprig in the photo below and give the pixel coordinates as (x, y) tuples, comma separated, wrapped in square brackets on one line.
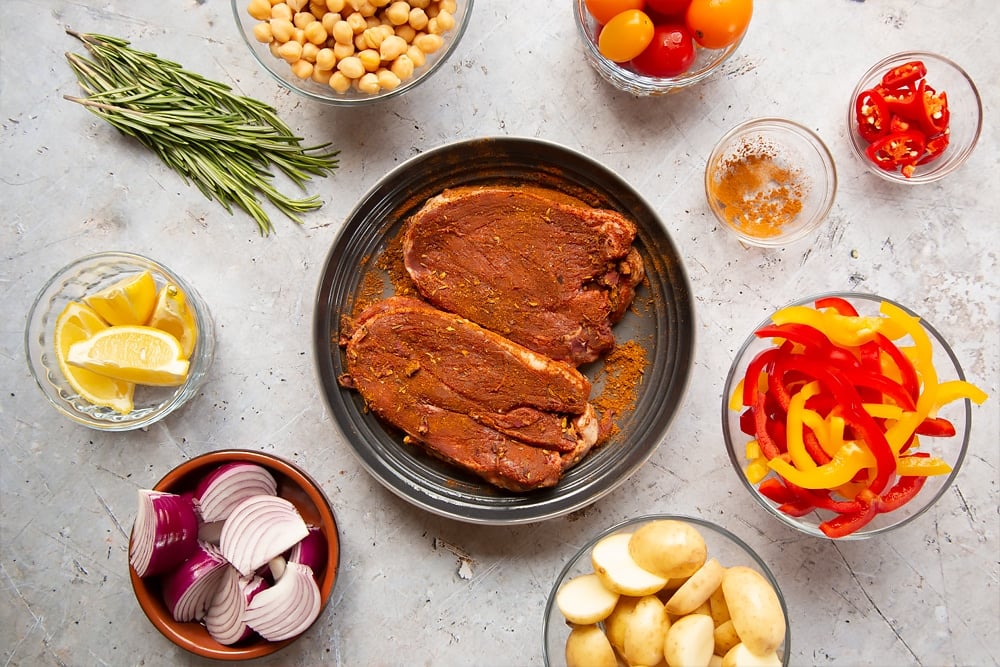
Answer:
[(225, 144)]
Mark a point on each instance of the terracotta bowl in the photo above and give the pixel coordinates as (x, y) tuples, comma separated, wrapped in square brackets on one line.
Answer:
[(293, 485)]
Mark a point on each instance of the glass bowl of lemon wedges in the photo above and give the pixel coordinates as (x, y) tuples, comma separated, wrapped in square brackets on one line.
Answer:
[(117, 341)]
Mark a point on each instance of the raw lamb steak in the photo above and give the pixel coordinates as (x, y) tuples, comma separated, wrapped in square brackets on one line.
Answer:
[(544, 270), (469, 396)]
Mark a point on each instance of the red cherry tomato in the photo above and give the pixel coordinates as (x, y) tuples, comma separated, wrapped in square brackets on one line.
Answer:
[(668, 7), (625, 36), (670, 53), (605, 10), (715, 24)]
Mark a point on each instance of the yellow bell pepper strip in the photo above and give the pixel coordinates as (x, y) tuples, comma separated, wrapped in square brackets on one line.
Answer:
[(920, 464), (841, 469), (842, 330), (952, 390), (794, 426)]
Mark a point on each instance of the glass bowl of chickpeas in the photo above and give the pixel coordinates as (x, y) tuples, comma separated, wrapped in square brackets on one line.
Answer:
[(351, 52)]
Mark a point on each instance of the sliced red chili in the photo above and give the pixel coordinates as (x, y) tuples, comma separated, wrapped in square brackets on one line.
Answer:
[(934, 114), (904, 102), (904, 74), (872, 114), (897, 150), (935, 146)]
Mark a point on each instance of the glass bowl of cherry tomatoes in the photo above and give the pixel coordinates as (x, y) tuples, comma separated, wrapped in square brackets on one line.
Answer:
[(914, 117), (656, 47)]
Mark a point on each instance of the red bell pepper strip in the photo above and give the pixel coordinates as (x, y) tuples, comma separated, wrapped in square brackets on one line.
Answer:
[(903, 491), (845, 524), (809, 337), (907, 373), (842, 306), (752, 375), (937, 427), (767, 445)]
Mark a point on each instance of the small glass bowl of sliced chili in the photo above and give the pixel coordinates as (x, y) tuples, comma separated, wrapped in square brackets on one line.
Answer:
[(859, 420), (914, 117)]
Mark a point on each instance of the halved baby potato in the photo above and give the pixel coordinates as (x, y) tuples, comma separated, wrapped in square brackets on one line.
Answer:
[(619, 572), (584, 600), (587, 646)]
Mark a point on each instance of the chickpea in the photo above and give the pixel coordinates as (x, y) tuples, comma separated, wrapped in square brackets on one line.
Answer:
[(407, 32), (421, 4), (339, 82), (370, 59), (297, 5), (357, 23), (402, 67), (318, 9), (262, 33), (326, 59), (299, 35), (373, 38), (321, 76), (282, 29), (392, 47), (387, 80), (343, 33), (282, 11), (444, 22), (428, 43), (302, 69), (418, 18), (368, 83), (290, 51), (259, 9), (309, 51), (416, 56), (351, 67), (302, 19), (450, 6), (367, 9), (335, 6), (273, 47), (343, 51), (315, 33), (329, 20), (398, 13)]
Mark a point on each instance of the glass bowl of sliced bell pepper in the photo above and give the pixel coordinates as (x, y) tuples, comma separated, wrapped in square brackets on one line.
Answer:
[(914, 117), (847, 415)]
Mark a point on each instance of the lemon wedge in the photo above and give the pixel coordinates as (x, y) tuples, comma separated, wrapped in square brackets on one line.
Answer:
[(129, 301), (77, 323), (138, 354), (173, 315)]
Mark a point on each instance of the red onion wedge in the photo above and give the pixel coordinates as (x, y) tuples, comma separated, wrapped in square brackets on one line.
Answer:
[(188, 590), (165, 532), (228, 485), (258, 529), (224, 620), (287, 608), (311, 551)]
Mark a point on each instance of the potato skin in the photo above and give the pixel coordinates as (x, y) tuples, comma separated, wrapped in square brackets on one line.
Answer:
[(645, 632), (755, 609), (689, 642), (697, 589), (587, 646), (668, 548)]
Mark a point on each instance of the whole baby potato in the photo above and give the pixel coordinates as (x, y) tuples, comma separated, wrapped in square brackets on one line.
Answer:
[(755, 609), (669, 548), (617, 621), (689, 642), (587, 646), (646, 632)]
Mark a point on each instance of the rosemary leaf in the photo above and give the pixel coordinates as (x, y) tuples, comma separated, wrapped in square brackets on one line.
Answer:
[(224, 144)]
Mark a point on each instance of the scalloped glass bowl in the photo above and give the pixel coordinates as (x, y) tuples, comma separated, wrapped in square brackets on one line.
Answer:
[(791, 146), (952, 450), (964, 104), (723, 545), (281, 71), (295, 485), (88, 275)]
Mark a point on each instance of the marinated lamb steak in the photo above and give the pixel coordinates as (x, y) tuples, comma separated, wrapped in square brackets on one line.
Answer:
[(469, 396), (548, 272)]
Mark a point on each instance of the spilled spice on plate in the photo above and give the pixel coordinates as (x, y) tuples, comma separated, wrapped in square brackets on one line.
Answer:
[(757, 189), (622, 375)]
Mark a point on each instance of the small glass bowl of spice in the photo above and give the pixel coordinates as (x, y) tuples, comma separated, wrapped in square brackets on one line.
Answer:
[(770, 181)]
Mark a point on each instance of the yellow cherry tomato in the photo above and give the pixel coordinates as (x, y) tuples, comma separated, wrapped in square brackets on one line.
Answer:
[(605, 10), (625, 36), (715, 24)]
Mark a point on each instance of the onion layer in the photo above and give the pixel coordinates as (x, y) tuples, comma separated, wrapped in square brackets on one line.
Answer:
[(288, 607), (311, 551), (258, 529), (165, 532), (229, 484), (188, 590), (224, 619)]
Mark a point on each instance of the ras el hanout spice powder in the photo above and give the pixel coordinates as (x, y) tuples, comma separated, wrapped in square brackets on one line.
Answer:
[(757, 188)]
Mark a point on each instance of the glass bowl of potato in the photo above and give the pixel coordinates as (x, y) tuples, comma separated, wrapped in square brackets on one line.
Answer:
[(348, 53), (666, 589)]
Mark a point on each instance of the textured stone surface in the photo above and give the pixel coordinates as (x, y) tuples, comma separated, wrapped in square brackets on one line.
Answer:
[(437, 591)]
